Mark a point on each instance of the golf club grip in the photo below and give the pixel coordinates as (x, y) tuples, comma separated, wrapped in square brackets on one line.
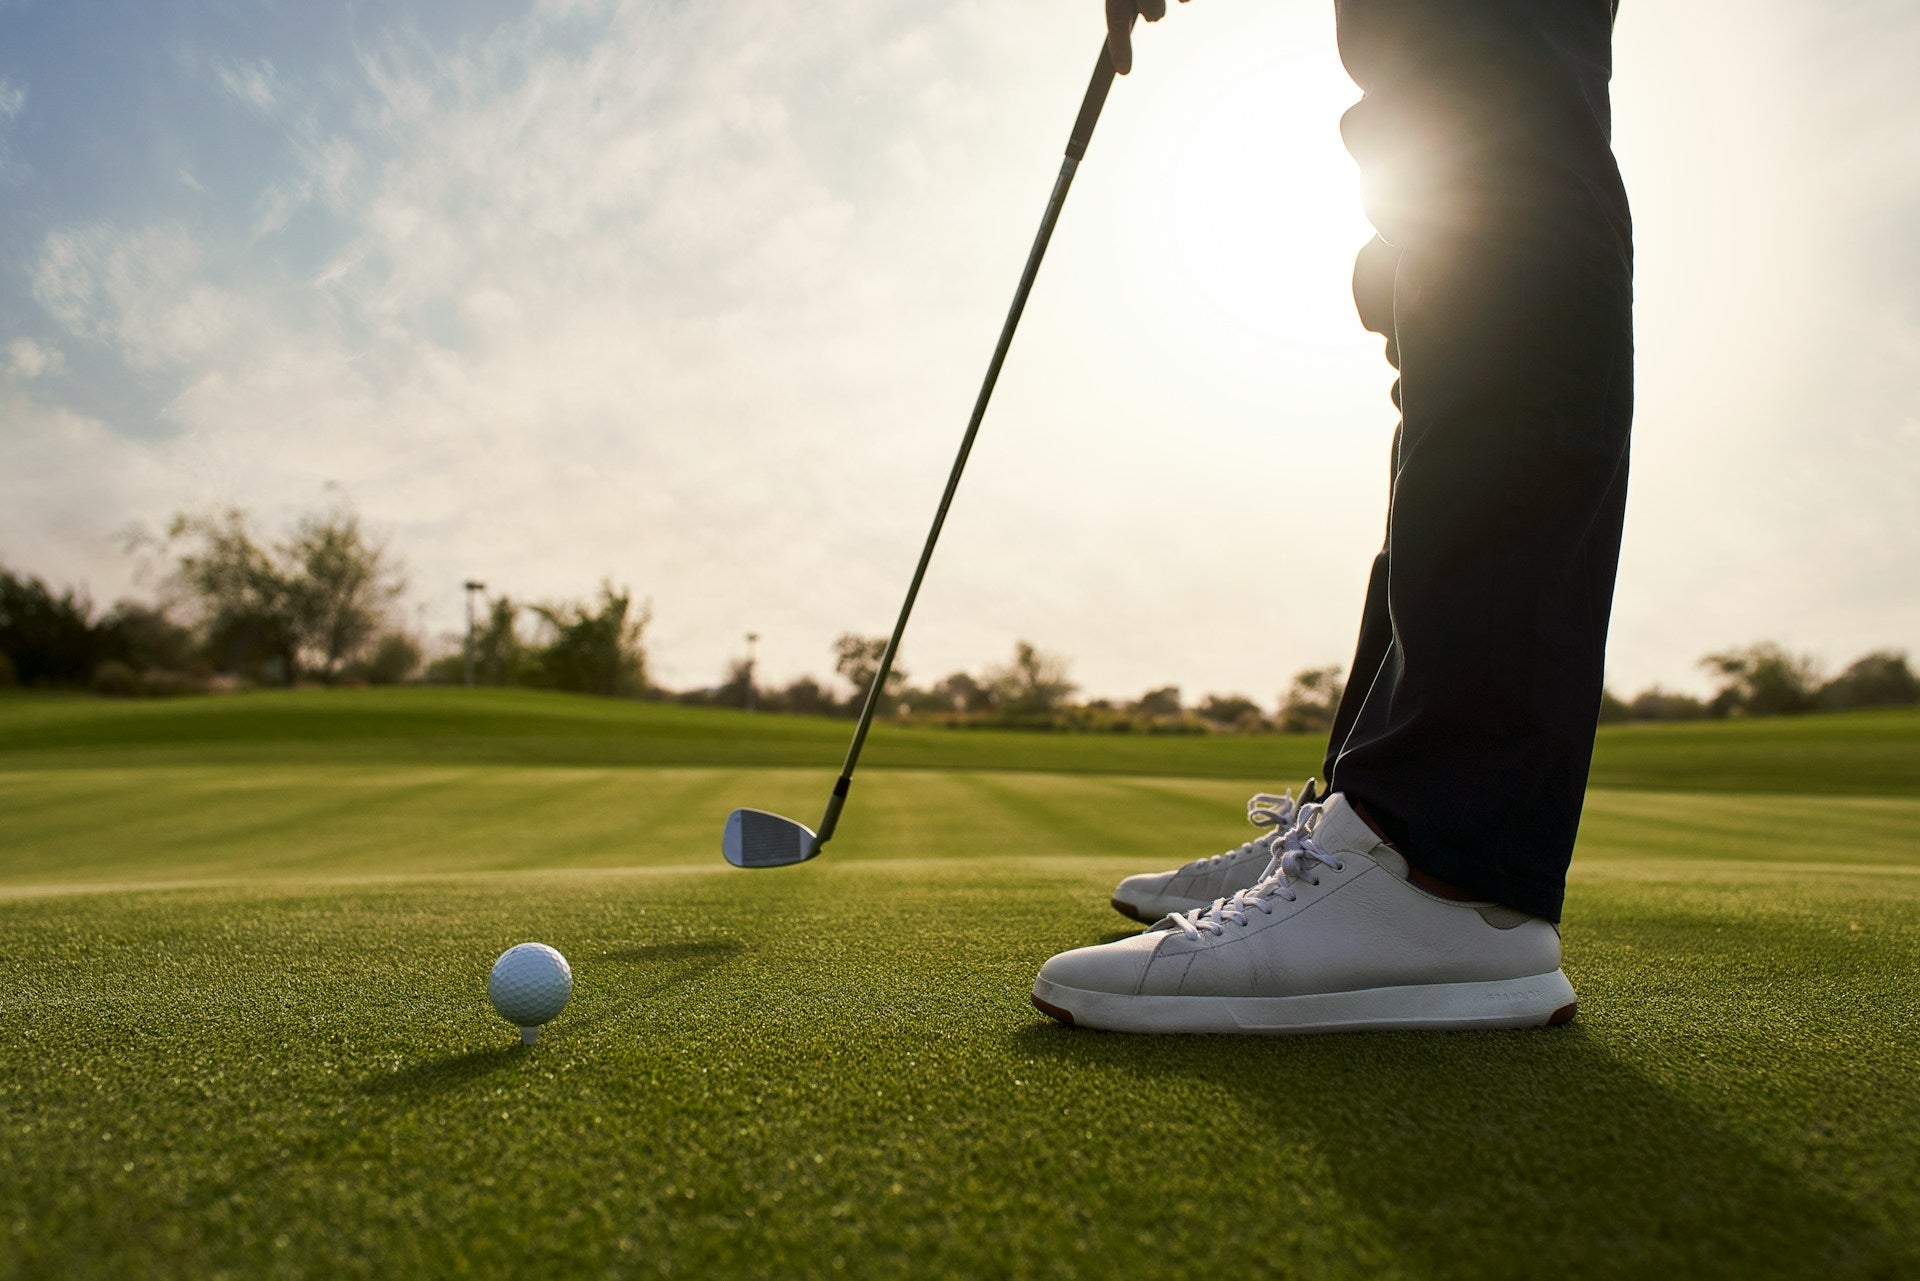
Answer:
[(1090, 105), (1096, 97)]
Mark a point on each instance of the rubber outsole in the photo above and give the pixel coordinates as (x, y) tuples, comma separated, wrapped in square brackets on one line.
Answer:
[(1541, 1000)]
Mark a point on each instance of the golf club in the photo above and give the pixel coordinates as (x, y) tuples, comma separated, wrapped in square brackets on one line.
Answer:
[(756, 838)]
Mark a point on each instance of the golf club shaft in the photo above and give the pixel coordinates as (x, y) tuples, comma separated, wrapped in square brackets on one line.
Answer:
[(1076, 148)]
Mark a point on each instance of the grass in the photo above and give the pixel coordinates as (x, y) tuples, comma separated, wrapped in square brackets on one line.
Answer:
[(247, 1031), (1860, 753)]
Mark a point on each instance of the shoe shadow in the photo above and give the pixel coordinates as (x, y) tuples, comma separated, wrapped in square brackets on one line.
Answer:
[(1510, 1153)]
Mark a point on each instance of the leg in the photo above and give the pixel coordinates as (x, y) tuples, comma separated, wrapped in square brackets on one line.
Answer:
[(1483, 144), (1476, 689), (1373, 273)]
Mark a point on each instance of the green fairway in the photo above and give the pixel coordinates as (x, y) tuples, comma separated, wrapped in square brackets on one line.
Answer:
[(246, 943)]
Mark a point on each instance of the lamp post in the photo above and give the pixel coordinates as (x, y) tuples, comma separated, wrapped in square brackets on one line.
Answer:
[(752, 639), (473, 585)]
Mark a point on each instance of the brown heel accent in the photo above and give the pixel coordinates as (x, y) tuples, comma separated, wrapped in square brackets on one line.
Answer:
[(1128, 910), (1053, 1011), (1564, 1014)]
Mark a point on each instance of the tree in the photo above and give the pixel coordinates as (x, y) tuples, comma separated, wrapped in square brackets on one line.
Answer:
[(145, 639), (957, 693), (1762, 680), (1879, 679), (804, 697), (49, 639), (1311, 700), (343, 585), (245, 598), (499, 655), (1164, 701), (275, 611), (857, 658), (1034, 684), (737, 689), (595, 649), (1656, 704), (965, 694), (395, 657), (1231, 711)]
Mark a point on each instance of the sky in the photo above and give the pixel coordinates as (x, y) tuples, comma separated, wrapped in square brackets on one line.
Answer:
[(695, 298)]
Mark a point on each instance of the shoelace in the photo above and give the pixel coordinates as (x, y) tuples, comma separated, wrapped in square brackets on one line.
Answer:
[(1297, 855), (1263, 810)]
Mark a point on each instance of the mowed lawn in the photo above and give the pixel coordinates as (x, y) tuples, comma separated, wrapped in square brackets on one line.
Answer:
[(245, 944)]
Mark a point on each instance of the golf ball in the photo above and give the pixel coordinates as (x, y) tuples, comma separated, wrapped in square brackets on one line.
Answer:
[(529, 985)]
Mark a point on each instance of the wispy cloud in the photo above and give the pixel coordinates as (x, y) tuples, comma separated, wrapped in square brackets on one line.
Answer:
[(696, 296), (27, 359), (257, 85), (147, 294), (620, 278), (13, 100)]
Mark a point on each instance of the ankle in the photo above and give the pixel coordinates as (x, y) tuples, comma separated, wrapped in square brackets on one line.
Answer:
[(1437, 887), (1431, 884)]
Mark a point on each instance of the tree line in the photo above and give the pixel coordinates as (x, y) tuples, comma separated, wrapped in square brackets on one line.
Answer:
[(319, 605)]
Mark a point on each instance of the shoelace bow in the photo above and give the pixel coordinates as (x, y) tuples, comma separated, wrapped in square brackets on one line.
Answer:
[(1263, 810), (1297, 853)]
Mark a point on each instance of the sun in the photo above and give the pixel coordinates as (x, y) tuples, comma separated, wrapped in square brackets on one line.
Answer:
[(1242, 208), (1264, 204)]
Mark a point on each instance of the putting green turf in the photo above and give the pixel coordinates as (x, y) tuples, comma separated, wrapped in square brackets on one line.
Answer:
[(246, 1030)]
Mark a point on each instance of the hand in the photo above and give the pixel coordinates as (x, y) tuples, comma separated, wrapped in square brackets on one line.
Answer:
[(1120, 16)]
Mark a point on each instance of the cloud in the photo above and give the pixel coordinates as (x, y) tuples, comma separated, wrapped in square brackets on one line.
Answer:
[(27, 359), (586, 313), (697, 297), (13, 100), (146, 293), (258, 86)]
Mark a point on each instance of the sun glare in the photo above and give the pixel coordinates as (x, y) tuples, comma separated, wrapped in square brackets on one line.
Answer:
[(1234, 257), (1264, 201)]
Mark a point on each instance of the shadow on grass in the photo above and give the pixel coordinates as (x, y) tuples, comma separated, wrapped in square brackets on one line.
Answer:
[(662, 966), (1506, 1153), (436, 1076), (649, 969), (704, 954)]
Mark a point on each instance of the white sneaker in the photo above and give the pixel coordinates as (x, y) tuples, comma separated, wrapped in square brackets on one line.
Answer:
[(1151, 895), (1334, 939)]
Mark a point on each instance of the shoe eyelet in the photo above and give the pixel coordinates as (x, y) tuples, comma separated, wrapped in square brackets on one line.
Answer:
[(1339, 867), (1314, 881)]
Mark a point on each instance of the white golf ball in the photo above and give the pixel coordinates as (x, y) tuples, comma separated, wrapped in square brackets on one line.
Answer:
[(529, 985)]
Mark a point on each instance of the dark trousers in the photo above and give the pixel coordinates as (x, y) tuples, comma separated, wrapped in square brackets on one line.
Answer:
[(1502, 280)]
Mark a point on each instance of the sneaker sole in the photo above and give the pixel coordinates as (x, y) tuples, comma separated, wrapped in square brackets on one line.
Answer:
[(1542, 1000)]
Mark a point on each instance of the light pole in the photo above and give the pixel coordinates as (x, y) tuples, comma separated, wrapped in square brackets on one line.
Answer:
[(752, 639), (473, 585)]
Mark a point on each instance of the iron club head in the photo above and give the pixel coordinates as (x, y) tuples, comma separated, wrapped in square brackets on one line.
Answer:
[(755, 838)]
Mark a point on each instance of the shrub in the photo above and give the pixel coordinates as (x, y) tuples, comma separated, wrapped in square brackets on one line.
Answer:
[(396, 656), (1656, 704), (1879, 679), (1762, 680), (115, 679)]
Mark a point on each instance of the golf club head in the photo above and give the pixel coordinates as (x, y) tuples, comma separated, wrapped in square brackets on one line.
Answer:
[(755, 838)]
